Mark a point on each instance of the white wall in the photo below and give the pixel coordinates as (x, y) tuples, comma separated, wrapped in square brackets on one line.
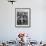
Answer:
[(37, 31)]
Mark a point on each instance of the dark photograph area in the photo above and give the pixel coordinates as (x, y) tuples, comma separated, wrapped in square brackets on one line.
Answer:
[(22, 18)]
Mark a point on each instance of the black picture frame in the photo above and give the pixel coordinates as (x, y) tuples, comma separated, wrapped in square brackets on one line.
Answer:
[(22, 17)]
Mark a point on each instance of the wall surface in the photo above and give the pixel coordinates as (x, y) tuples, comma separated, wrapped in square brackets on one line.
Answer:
[(37, 31)]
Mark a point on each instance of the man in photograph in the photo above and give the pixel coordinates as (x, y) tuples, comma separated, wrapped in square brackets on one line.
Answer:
[(22, 18)]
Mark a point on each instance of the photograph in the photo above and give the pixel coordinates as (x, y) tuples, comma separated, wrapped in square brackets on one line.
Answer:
[(22, 17)]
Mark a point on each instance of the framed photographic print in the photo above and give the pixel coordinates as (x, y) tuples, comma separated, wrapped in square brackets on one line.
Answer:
[(22, 17)]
